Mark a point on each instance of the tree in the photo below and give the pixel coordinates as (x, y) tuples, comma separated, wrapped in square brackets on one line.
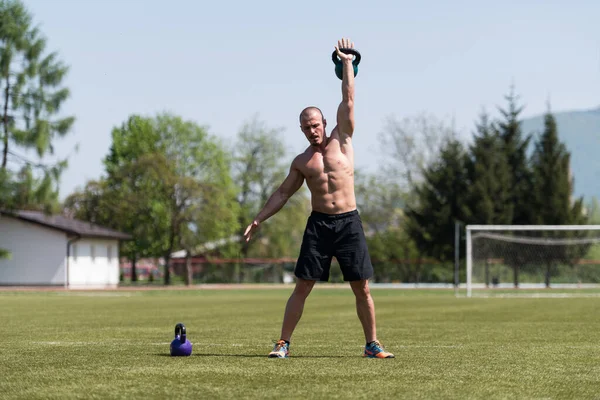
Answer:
[(553, 183), (130, 206), (515, 149), (552, 192), (593, 211), (180, 175), (258, 169), (201, 195), (380, 201), (128, 198), (260, 166), (439, 202), (32, 96), (168, 184), (488, 196), (411, 144), (88, 204)]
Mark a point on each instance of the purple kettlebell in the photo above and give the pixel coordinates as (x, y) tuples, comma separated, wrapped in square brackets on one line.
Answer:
[(180, 346)]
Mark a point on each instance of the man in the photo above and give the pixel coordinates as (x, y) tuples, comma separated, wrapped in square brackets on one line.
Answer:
[(334, 227)]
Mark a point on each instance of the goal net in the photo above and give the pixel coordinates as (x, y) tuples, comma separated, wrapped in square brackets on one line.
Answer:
[(501, 257)]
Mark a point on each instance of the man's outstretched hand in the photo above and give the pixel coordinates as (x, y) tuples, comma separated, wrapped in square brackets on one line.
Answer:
[(250, 230), (344, 43)]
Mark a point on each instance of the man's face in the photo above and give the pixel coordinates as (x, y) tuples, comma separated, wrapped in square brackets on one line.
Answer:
[(313, 127)]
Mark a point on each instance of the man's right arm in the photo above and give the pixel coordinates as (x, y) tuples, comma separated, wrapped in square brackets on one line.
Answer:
[(290, 185)]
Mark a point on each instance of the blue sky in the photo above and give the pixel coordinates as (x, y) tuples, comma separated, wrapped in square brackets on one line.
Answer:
[(220, 63)]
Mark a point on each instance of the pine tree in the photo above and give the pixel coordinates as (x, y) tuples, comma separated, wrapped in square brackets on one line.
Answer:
[(552, 194), (553, 183), (440, 202), (488, 197), (515, 149)]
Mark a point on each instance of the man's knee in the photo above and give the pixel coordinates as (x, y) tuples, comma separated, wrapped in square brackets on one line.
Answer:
[(361, 288), (303, 287)]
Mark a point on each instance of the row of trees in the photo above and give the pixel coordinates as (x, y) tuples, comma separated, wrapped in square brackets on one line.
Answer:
[(503, 176), (173, 186)]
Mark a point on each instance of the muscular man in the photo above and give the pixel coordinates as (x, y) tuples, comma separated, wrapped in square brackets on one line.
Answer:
[(334, 228)]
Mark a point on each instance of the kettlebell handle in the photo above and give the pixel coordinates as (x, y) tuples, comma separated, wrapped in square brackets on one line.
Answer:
[(354, 52), (180, 330)]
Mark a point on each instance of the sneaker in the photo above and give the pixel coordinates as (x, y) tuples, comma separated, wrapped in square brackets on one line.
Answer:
[(281, 350), (375, 350)]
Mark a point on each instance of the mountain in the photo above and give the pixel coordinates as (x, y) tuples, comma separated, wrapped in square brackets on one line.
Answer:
[(580, 132)]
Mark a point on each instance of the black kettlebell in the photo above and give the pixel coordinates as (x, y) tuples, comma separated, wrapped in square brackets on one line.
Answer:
[(339, 66)]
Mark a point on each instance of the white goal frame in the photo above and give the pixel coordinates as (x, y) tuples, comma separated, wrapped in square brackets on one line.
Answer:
[(469, 243)]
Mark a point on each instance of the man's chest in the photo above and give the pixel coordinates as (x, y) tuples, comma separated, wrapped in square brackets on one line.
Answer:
[(327, 162)]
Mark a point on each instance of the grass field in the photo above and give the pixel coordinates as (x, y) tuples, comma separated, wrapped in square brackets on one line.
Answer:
[(115, 344)]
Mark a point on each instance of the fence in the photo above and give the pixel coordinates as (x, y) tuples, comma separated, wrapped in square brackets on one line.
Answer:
[(200, 270)]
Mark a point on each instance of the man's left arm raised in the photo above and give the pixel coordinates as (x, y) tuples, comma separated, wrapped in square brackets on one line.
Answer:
[(345, 112)]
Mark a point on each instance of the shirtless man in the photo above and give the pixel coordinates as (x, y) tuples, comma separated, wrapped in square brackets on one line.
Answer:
[(334, 227)]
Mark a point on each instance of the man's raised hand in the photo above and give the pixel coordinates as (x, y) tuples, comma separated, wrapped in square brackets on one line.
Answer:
[(344, 43)]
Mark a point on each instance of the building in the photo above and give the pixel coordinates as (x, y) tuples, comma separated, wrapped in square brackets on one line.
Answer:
[(52, 250)]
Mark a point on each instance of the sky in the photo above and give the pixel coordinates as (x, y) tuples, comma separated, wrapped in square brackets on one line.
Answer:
[(222, 63)]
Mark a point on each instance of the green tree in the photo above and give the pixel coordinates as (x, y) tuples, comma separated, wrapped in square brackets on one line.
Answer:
[(130, 198), (440, 200), (260, 166), (129, 202), (89, 203), (488, 196), (593, 211), (488, 199), (553, 193), (168, 184), (32, 96), (380, 201), (515, 147), (410, 145), (182, 177), (258, 169), (553, 184)]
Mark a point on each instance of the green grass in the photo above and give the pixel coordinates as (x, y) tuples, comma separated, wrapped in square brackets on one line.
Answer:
[(62, 345)]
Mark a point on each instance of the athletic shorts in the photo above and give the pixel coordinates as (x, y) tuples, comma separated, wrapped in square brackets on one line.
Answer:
[(334, 235)]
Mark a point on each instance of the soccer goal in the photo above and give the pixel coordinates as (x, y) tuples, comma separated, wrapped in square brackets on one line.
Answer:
[(501, 258)]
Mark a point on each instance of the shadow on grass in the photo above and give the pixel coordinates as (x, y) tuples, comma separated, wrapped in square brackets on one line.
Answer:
[(248, 355)]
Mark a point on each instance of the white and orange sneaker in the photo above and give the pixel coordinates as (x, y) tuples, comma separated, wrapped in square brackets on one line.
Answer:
[(280, 350), (375, 350)]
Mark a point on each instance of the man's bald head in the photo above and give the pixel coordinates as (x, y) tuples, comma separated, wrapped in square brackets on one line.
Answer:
[(310, 110)]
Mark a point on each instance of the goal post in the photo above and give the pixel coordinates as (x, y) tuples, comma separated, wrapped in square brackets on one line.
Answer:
[(532, 256)]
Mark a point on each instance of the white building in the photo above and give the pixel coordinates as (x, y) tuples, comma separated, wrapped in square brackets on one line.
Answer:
[(57, 251)]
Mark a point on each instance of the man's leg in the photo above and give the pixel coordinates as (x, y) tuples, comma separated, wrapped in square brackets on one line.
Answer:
[(293, 312), (365, 308), (313, 263), (295, 307)]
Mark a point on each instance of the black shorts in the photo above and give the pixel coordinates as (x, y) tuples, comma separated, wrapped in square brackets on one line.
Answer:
[(334, 235)]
